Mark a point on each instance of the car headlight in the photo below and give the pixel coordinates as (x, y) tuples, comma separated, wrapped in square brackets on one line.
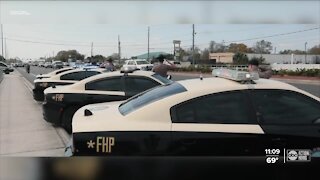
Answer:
[(44, 84)]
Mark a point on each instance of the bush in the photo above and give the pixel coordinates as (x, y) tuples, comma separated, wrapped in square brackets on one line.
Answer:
[(298, 72), (191, 68)]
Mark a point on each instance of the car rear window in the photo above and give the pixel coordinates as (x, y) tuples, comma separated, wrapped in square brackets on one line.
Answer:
[(150, 96)]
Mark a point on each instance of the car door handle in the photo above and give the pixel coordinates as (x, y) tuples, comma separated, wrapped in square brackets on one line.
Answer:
[(89, 98)]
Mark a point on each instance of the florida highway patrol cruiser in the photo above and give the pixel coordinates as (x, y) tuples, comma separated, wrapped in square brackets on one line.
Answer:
[(65, 78), (62, 102), (233, 114)]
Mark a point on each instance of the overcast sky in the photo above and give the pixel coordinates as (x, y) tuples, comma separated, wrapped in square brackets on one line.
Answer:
[(42, 28)]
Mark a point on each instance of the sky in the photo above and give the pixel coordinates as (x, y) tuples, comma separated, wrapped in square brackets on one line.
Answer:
[(34, 29)]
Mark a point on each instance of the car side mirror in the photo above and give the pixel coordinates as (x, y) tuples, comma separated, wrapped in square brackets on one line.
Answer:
[(169, 77)]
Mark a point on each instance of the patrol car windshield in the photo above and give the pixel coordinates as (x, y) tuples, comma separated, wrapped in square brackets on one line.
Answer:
[(150, 96), (162, 79), (142, 62)]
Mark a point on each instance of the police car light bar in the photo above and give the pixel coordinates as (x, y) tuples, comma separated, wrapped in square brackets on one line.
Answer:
[(89, 67), (127, 69), (235, 75)]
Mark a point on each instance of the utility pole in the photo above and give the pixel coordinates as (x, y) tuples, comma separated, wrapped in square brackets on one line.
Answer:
[(91, 52), (2, 41), (5, 49), (119, 49), (305, 52), (193, 33), (148, 42)]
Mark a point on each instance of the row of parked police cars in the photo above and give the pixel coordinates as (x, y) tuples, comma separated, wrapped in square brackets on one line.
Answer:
[(134, 112)]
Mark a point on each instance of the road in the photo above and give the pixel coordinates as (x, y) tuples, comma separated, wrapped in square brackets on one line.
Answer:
[(23, 132)]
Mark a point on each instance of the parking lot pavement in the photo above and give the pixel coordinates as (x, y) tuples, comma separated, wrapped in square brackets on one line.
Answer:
[(23, 132)]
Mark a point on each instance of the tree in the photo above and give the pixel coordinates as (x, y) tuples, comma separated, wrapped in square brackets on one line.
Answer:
[(240, 58), (260, 59), (205, 55), (289, 51), (234, 47), (315, 49), (97, 58), (113, 56), (262, 47), (72, 54), (216, 47)]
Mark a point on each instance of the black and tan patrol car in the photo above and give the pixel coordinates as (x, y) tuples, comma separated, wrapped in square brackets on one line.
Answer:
[(62, 102), (65, 78), (234, 114)]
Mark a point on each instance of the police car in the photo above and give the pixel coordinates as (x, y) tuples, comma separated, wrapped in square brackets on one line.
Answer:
[(140, 64), (65, 78), (62, 102), (41, 76), (234, 114)]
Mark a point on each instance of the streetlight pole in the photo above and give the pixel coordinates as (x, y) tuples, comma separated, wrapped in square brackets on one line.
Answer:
[(2, 41), (305, 52), (148, 42), (193, 61)]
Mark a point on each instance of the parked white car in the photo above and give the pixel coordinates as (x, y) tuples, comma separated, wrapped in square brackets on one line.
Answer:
[(138, 64)]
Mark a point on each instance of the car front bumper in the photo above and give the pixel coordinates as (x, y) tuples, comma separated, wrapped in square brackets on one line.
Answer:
[(52, 113), (38, 94)]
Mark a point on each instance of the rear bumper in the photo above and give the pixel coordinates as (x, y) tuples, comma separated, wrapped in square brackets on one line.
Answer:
[(38, 94), (52, 113)]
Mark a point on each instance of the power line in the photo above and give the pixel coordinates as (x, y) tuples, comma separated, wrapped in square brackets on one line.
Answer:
[(274, 35), (49, 43), (263, 37)]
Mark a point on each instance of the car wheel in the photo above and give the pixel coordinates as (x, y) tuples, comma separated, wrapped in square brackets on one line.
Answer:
[(67, 118)]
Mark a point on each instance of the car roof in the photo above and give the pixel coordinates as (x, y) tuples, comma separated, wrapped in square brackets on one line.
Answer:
[(57, 77), (136, 60), (118, 73), (212, 83)]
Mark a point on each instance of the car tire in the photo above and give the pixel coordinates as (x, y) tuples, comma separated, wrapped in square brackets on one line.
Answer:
[(67, 118)]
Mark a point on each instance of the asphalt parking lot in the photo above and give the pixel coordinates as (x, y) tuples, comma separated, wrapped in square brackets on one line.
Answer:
[(23, 132)]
